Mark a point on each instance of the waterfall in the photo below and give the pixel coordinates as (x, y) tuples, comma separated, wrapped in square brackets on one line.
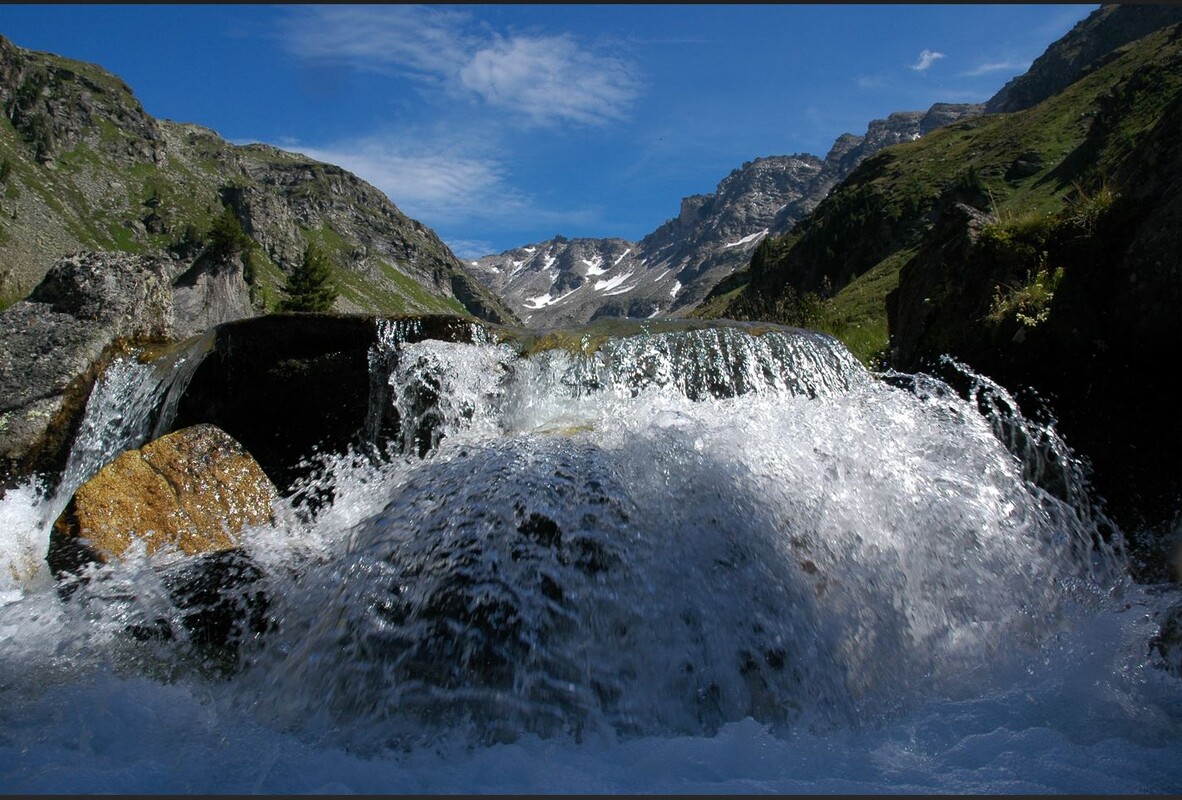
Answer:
[(669, 532), (724, 540)]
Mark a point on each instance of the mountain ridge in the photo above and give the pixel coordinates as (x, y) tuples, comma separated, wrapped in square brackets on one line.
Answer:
[(673, 268)]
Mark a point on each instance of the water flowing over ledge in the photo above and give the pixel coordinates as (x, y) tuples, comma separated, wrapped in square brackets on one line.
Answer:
[(715, 541)]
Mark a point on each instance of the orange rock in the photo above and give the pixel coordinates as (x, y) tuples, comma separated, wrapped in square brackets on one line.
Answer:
[(194, 489)]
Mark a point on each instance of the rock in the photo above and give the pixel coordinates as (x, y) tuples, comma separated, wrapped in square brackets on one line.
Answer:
[(1167, 643), (88, 304), (195, 490), (920, 308), (209, 293), (1025, 165), (222, 602), (289, 385)]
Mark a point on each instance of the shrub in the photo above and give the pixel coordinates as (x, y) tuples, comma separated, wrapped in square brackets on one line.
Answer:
[(1030, 303), (1085, 208)]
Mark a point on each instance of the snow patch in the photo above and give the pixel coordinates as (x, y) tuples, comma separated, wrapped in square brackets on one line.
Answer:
[(749, 238), (611, 283), (530, 250), (543, 300), (621, 258), (595, 266), (676, 288)]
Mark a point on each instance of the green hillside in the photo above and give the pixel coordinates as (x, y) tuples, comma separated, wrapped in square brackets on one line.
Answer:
[(83, 167), (1040, 173)]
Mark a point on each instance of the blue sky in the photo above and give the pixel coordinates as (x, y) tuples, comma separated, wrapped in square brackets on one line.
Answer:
[(502, 125)]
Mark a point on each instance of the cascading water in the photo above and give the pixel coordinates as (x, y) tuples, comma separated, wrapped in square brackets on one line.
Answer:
[(706, 560)]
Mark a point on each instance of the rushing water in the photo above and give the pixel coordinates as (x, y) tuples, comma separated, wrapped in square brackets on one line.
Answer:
[(696, 561)]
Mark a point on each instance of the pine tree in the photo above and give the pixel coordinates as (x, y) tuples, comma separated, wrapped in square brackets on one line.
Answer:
[(226, 237), (310, 286)]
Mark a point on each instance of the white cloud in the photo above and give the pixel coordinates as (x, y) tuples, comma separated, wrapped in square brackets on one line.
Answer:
[(445, 183), (926, 59), (542, 80), (550, 79), (1015, 67), (417, 39)]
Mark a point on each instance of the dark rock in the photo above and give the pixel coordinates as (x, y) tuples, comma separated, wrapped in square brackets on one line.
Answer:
[(1025, 165), (290, 385), (1166, 644), (222, 601)]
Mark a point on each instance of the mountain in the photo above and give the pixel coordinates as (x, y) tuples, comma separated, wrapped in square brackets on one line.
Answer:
[(669, 272), (1039, 246), (84, 167)]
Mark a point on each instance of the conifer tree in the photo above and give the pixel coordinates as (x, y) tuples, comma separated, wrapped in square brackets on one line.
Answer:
[(226, 237), (310, 286)]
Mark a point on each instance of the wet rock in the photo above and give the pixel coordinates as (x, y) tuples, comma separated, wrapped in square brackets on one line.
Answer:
[(87, 304), (221, 601), (193, 490), (290, 385)]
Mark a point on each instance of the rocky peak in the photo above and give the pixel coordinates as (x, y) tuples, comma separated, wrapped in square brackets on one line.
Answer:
[(55, 104)]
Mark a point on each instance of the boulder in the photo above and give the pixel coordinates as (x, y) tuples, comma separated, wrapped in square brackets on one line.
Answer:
[(291, 385), (90, 307), (194, 490), (87, 305)]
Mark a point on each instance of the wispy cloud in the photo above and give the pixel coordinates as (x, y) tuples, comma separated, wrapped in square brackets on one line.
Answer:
[(550, 79), (926, 59), (446, 183), (996, 66), (540, 79), (470, 248)]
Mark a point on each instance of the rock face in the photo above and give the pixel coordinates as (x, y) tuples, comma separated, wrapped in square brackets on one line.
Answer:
[(87, 169), (669, 272), (1081, 50), (194, 489)]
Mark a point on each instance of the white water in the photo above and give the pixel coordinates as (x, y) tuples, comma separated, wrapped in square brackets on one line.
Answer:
[(698, 562)]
